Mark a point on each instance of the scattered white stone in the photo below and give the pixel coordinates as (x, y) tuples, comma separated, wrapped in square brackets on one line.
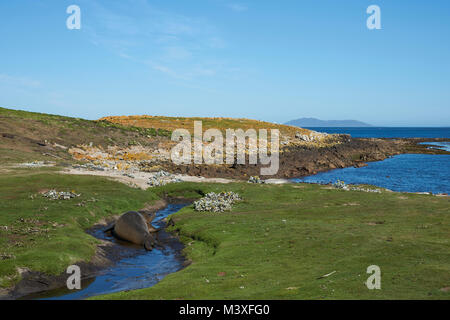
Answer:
[(88, 166), (255, 179), (37, 164), (161, 178), (313, 136), (217, 202), (60, 195), (343, 186)]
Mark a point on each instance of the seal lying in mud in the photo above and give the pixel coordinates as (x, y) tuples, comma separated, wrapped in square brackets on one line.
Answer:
[(132, 226)]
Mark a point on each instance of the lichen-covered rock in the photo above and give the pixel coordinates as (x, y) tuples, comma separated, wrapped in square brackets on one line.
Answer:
[(59, 195), (343, 186), (312, 136), (255, 179), (37, 164), (340, 185), (161, 178), (162, 173), (89, 166), (217, 202)]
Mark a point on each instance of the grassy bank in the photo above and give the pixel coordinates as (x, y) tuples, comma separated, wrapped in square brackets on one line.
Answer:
[(275, 244), (48, 235), (28, 136), (280, 240), (174, 123)]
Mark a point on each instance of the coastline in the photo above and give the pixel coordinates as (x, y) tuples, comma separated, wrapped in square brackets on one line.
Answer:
[(298, 161), (292, 163)]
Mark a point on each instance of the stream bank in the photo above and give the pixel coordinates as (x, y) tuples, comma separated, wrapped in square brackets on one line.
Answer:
[(117, 265)]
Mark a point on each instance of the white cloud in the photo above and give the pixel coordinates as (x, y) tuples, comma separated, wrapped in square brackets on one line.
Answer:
[(174, 44), (237, 7), (19, 81), (177, 53), (216, 42), (137, 31), (166, 70)]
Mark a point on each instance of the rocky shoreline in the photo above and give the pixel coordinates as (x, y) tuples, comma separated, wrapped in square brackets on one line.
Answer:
[(298, 161), (295, 161)]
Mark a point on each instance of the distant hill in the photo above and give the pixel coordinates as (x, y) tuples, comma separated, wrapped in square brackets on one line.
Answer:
[(29, 136), (313, 122)]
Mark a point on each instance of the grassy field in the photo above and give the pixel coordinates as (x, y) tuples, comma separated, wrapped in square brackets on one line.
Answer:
[(275, 244), (173, 123), (26, 136), (30, 136), (48, 235), (280, 239)]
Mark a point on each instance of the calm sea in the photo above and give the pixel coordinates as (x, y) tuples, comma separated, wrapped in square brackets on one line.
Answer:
[(406, 172), (390, 132)]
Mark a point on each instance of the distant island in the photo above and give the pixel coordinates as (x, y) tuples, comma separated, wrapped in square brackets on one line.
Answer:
[(313, 122)]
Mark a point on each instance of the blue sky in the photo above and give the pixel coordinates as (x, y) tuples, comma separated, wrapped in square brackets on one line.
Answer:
[(267, 60)]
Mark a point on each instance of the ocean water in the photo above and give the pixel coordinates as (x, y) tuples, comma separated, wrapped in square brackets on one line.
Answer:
[(389, 132), (443, 145), (403, 173)]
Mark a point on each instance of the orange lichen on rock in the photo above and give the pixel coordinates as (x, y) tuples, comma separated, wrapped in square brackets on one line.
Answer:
[(289, 135), (221, 123)]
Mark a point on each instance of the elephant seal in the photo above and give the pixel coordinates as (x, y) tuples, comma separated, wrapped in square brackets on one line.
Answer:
[(132, 226)]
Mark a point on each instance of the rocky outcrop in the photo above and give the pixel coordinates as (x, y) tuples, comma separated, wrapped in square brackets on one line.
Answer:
[(302, 160)]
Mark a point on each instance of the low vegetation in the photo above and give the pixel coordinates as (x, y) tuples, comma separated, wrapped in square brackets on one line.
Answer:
[(276, 243), (48, 235), (280, 240), (26, 136), (173, 123)]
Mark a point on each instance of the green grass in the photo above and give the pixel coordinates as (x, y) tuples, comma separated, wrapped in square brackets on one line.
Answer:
[(46, 235), (69, 123), (278, 241), (275, 244), (23, 135)]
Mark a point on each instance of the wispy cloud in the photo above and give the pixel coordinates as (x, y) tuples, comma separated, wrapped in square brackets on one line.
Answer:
[(18, 81), (24, 88), (166, 70), (171, 43), (177, 53), (216, 42), (237, 7)]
